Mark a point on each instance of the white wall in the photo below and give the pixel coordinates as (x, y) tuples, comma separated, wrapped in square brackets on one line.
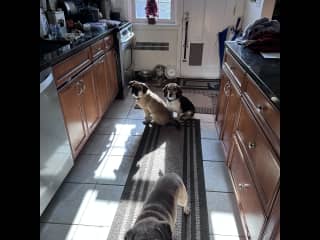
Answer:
[(255, 10), (146, 59)]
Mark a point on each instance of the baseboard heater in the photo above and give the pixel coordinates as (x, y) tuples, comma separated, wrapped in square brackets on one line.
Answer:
[(154, 46)]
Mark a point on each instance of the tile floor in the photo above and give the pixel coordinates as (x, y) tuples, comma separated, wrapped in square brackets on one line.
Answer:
[(86, 203)]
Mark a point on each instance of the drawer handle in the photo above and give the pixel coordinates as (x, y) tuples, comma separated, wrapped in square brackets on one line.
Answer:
[(98, 49), (251, 145), (243, 185)]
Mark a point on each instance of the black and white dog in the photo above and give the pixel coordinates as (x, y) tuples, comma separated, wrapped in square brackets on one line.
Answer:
[(178, 103)]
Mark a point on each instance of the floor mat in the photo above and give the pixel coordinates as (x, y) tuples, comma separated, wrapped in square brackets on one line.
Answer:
[(205, 101), (162, 150)]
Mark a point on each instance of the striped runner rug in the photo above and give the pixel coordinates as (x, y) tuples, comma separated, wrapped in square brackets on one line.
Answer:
[(166, 149)]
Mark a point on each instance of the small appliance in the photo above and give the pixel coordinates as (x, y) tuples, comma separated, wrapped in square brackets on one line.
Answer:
[(57, 17), (44, 27)]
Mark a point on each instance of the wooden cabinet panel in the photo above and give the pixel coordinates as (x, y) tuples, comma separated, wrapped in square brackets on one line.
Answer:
[(269, 115), (102, 83), (249, 126), (71, 66), (90, 101), (108, 42), (272, 230), (236, 70), (222, 102), (97, 49), (111, 66), (247, 195), (230, 116), (70, 100), (262, 160)]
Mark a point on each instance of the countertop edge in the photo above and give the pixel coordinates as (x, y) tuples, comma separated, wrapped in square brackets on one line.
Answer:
[(265, 89), (75, 50)]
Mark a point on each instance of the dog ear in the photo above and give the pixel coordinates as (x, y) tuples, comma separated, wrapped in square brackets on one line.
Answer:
[(129, 235), (179, 91), (130, 84), (144, 87), (165, 230), (165, 90)]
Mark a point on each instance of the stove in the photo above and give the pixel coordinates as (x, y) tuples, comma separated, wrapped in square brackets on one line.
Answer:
[(125, 37)]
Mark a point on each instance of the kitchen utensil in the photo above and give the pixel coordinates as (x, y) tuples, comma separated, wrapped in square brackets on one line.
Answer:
[(70, 9), (44, 27)]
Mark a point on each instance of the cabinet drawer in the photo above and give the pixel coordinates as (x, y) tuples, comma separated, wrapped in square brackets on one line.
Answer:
[(263, 108), (247, 195), (97, 48), (108, 42), (236, 70), (262, 159), (71, 66)]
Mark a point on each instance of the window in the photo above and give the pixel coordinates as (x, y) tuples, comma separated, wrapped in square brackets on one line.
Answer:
[(165, 9)]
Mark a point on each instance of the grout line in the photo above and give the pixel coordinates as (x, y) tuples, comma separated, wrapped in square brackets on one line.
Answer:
[(239, 236), (111, 184), (206, 138), (217, 191), (211, 161)]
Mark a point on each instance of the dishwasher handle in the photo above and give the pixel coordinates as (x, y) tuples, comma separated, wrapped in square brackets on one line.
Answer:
[(46, 83)]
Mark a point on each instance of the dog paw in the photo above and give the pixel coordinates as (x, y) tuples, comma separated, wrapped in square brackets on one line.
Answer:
[(186, 210)]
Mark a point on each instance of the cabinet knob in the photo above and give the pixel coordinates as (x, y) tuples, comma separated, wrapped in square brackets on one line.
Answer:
[(251, 145), (259, 108)]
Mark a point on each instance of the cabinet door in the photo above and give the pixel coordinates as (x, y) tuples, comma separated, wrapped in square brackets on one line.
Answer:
[(112, 73), (101, 80), (272, 230), (74, 118), (222, 101), (247, 195), (230, 116), (89, 99)]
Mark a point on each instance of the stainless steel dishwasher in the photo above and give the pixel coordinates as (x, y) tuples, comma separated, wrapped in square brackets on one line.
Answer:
[(55, 151)]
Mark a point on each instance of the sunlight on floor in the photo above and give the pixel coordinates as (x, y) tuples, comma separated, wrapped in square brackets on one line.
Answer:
[(223, 222)]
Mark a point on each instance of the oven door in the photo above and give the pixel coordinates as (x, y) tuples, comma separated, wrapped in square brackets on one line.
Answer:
[(126, 62)]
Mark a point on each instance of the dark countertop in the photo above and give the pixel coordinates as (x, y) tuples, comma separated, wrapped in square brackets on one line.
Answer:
[(265, 72), (53, 57)]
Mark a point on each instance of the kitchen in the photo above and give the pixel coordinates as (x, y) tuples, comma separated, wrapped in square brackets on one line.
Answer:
[(91, 130)]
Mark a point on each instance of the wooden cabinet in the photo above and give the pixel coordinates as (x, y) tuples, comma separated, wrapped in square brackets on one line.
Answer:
[(97, 49), (103, 85), (70, 67), (111, 66), (86, 92), (74, 118), (262, 160), (80, 109), (233, 95), (272, 230), (252, 212), (89, 99), (222, 102), (248, 126)]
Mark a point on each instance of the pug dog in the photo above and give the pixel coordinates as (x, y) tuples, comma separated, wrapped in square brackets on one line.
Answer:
[(178, 103), (155, 109), (159, 212)]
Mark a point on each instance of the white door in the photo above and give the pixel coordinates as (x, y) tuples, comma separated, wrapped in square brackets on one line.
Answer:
[(202, 21)]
